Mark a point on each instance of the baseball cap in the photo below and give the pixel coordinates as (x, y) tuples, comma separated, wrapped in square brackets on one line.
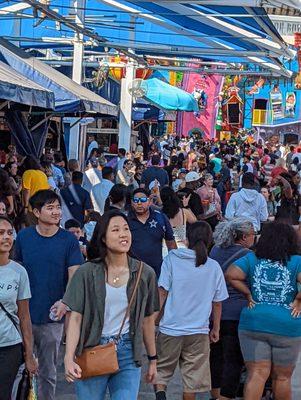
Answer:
[(153, 184), (192, 176)]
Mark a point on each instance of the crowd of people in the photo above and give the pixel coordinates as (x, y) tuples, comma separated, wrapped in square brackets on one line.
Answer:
[(183, 254)]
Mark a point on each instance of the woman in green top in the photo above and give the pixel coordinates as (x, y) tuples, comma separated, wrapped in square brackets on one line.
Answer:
[(98, 297), (270, 328)]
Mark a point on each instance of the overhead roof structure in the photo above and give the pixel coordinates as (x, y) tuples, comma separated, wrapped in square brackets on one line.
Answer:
[(16, 88), (69, 96), (238, 31)]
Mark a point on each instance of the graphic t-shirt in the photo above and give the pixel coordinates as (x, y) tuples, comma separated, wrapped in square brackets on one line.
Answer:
[(273, 287), (14, 285)]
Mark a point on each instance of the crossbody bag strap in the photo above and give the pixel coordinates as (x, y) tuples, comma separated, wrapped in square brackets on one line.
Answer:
[(10, 317), (233, 257), (74, 194), (127, 313)]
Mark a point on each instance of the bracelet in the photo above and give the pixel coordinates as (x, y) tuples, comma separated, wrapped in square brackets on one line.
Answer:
[(152, 358)]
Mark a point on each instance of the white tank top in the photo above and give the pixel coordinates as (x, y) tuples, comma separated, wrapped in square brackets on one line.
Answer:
[(115, 308)]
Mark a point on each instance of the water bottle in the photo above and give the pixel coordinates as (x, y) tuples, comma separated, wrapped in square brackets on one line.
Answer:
[(52, 315)]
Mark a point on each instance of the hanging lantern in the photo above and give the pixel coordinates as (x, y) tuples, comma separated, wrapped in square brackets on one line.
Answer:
[(118, 72)]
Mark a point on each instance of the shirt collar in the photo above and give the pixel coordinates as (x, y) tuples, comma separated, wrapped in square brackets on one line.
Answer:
[(132, 215)]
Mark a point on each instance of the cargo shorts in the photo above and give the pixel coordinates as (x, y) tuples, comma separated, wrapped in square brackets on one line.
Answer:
[(191, 353)]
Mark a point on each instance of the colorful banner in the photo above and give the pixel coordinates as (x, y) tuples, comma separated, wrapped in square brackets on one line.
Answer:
[(276, 103), (207, 87), (290, 105)]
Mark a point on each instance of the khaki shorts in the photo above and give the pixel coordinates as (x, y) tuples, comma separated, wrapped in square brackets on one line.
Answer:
[(192, 354)]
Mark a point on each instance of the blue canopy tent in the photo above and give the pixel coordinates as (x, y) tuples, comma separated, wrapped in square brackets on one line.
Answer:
[(24, 94), (69, 96), (168, 97), (16, 88)]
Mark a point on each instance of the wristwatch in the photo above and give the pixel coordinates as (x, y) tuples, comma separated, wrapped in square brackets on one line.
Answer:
[(152, 358)]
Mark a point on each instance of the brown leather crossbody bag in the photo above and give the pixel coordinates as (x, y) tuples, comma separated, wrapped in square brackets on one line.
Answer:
[(102, 359)]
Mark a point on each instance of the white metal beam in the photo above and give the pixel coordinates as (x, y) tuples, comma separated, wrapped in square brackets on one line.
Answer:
[(126, 101), (15, 8), (164, 24), (238, 3), (224, 26), (78, 46)]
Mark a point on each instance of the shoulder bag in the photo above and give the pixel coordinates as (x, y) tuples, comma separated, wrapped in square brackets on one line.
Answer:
[(102, 359), (9, 316)]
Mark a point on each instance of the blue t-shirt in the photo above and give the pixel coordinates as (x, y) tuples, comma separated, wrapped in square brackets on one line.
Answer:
[(77, 208), (152, 173), (236, 301), (147, 238), (46, 260), (273, 287)]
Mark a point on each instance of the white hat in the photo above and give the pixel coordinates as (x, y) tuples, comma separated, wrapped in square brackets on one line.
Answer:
[(192, 176), (153, 184)]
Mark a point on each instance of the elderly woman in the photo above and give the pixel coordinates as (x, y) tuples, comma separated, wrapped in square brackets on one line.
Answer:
[(232, 241), (270, 327)]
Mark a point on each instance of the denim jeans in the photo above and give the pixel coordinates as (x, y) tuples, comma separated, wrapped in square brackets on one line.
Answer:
[(124, 385)]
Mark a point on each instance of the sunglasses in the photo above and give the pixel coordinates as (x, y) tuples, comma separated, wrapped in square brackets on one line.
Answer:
[(137, 200)]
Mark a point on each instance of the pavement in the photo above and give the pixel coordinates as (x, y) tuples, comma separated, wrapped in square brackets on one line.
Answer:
[(65, 391)]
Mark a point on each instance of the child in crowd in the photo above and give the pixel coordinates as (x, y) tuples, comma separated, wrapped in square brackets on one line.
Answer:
[(73, 226)]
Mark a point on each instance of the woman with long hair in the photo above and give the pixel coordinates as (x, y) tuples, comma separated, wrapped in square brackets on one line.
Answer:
[(178, 216), (15, 325), (211, 201), (98, 297), (270, 327), (12, 169), (232, 240), (271, 203), (191, 285)]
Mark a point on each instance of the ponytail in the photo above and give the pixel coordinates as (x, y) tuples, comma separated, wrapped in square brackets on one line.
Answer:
[(201, 252), (199, 237)]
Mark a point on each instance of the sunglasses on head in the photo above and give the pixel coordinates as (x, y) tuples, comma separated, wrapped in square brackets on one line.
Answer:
[(137, 200)]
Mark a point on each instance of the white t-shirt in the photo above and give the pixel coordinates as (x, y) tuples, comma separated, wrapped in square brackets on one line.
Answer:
[(115, 309), (14, 285), (191, 291), (99, 194)]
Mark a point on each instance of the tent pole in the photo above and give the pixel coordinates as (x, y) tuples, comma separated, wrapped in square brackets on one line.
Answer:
[(126, 101), (78, 47)]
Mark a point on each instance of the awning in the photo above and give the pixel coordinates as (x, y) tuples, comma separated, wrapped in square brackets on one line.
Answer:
[(18, 89), (70, 97), (186, 28), (168, 97)]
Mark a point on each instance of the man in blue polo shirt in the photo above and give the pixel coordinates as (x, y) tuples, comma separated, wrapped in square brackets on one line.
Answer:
[(149, 227)]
